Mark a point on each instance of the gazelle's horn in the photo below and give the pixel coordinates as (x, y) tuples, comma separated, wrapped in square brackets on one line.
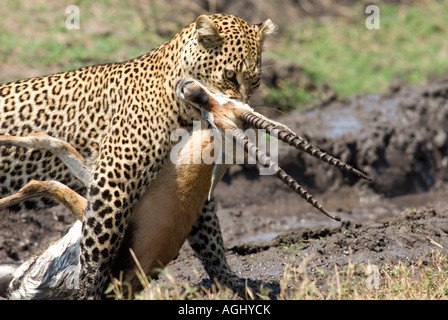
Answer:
[(265, 161), (284, 134)]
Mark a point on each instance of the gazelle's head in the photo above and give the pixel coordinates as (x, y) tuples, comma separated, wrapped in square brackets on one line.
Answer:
[(221, 111), (228, 113)]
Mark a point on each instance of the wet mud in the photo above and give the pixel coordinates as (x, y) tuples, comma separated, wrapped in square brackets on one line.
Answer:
[(398, 138)]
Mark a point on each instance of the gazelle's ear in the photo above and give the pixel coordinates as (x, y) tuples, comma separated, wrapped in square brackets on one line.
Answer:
[(266, 28), (207, 31)]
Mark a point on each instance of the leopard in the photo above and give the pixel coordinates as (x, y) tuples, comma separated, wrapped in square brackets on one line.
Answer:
[(161, 221), (119, 116)]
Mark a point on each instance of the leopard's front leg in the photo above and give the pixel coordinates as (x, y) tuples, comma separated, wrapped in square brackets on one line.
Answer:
[(126, 166), (206, 241)]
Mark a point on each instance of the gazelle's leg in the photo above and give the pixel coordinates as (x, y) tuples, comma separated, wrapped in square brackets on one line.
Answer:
[(54, 189), (64, 151)]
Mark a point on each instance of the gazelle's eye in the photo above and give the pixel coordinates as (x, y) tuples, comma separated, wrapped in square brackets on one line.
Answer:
[(231, 76)]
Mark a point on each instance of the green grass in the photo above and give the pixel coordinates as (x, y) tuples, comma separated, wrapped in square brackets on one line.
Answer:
[(34, 34), (401, 281), (288, 96), (342, 53), (337, 51)]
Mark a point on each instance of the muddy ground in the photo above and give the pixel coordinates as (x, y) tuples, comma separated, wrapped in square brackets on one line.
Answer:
[(398, 138)]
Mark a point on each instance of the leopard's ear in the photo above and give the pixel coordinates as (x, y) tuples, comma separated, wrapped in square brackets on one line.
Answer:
[(207, 31), (265, 29)]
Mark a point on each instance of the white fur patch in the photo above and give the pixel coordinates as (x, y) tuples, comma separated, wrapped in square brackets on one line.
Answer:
[(54, 271)]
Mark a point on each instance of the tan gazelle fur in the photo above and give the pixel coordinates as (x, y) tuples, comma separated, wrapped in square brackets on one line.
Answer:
[(165, 214)]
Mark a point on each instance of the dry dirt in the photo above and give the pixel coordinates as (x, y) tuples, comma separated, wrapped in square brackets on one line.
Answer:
[(399, 138)]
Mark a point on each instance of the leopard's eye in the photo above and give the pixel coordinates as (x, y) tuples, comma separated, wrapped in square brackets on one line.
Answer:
[(231, 76), (256, 83)]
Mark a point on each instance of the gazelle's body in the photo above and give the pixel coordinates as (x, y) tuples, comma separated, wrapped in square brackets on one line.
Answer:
[(160, 224), (165, 214)]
